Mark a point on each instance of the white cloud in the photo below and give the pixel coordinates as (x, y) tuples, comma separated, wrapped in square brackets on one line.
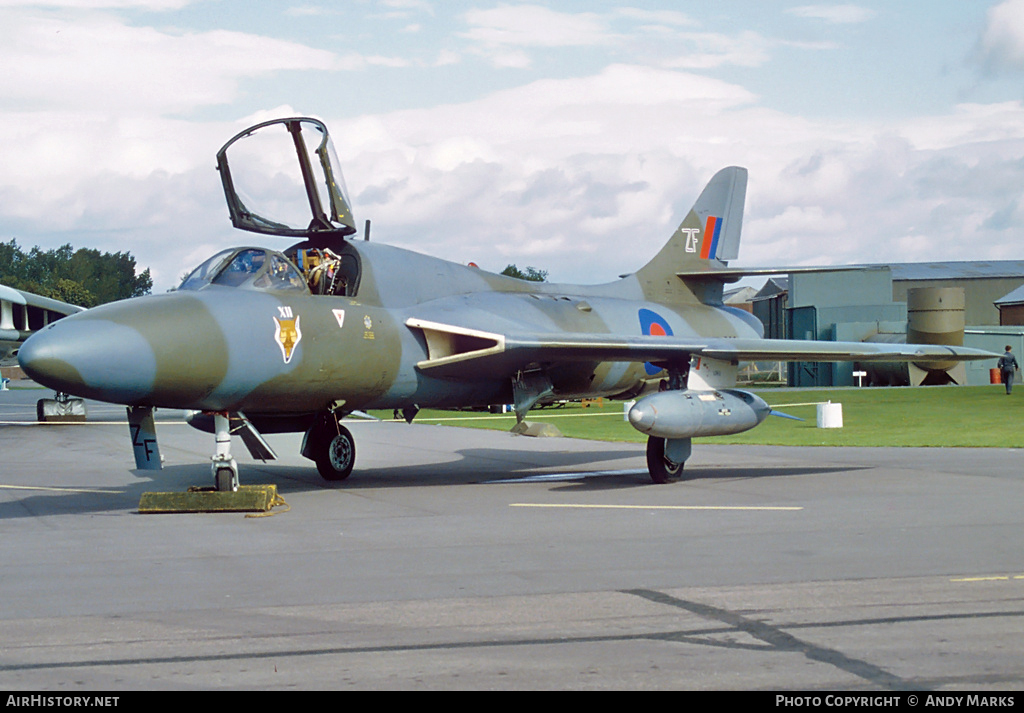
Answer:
[(655, 17), (584, 177), (98, 62), (835, 14), (588, 177), (420, 5), (534, 26), (310, 11), (707, 50), (151, 5), (91, 153), (507, 34), (1002, 42)]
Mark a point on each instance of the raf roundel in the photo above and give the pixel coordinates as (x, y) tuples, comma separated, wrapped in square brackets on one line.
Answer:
[(653, 324)]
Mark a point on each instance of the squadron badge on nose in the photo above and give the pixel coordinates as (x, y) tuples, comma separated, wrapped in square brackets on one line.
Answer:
[(287, 333)]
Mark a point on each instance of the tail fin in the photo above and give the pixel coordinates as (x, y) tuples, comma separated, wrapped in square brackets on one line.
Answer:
[(707, 238)]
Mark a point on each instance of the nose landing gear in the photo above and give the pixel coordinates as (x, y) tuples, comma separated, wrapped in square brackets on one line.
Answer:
[(222, 465)]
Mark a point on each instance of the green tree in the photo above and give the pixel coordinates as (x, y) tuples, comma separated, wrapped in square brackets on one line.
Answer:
[(531, 274), (108, 276), (71, 292), (85, 277)]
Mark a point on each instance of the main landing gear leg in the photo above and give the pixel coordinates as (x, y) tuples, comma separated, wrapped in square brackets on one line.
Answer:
[(667, 456), (223, 466)]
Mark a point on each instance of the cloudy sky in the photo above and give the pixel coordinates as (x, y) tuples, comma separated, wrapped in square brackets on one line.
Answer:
[(571, 136)]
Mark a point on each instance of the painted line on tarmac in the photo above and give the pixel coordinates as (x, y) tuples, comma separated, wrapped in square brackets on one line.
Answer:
[(582, 506), (991, 578), (58, 490)]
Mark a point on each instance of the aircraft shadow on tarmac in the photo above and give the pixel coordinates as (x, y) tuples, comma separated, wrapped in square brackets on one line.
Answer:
[(695, 474), (475, 466), (480, 466)]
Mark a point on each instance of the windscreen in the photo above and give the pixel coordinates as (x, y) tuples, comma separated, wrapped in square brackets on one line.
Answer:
[(246, 268)]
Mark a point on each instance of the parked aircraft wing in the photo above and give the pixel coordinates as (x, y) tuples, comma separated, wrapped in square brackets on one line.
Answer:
[(799, 350), (21, 314), (455, 351)]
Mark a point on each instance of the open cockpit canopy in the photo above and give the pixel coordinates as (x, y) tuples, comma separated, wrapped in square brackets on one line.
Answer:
[(288, 171)]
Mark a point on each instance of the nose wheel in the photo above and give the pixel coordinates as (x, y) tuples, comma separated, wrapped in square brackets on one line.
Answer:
[(226, 478)]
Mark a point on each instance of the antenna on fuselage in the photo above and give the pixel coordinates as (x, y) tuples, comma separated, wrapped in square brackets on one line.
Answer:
[(366, 231)]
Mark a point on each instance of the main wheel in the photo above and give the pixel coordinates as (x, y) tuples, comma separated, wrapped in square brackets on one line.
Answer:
[(662, 470), (336, 454)]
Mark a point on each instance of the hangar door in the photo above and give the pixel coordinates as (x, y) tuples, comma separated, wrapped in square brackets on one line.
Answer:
[(803, 324)]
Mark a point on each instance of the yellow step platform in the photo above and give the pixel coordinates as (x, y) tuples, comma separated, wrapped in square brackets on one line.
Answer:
[(248, 498)]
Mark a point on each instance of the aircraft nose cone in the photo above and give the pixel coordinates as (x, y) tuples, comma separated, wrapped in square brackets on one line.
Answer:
[(92, 358), (642, 417)]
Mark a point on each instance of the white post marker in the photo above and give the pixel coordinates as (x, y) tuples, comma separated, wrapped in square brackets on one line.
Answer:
[(830, 415)]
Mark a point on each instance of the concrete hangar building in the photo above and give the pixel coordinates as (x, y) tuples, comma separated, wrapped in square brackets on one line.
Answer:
[(978, 304)]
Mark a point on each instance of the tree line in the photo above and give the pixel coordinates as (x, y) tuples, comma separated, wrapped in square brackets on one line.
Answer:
[(84, 277), (530, 274)]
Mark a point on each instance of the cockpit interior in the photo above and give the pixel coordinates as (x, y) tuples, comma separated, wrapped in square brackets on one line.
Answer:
[(321, 271)]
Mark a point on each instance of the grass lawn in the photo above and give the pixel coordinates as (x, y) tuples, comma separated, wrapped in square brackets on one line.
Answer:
[(926, 416)]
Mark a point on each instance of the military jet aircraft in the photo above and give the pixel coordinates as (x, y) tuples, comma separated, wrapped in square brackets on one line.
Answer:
[(267, 341)]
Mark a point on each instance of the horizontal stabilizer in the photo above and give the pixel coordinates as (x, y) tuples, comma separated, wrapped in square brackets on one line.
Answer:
[(713, 270)]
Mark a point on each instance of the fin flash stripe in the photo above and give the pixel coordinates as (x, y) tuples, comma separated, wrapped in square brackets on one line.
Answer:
[(709, 243)]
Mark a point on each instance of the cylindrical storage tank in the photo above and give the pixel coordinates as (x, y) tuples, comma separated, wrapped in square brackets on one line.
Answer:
[(935, 315), (887, 373)]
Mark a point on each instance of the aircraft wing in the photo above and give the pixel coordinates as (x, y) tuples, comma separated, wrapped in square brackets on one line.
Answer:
[(22, 313), (801, 350), (459, 352)]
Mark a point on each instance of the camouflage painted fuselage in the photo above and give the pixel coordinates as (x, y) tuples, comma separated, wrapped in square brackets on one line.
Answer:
[(291, 352)]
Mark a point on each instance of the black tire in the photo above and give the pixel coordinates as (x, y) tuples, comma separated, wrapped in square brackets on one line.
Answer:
[(336, 453), (662, 470), (224, 480)]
